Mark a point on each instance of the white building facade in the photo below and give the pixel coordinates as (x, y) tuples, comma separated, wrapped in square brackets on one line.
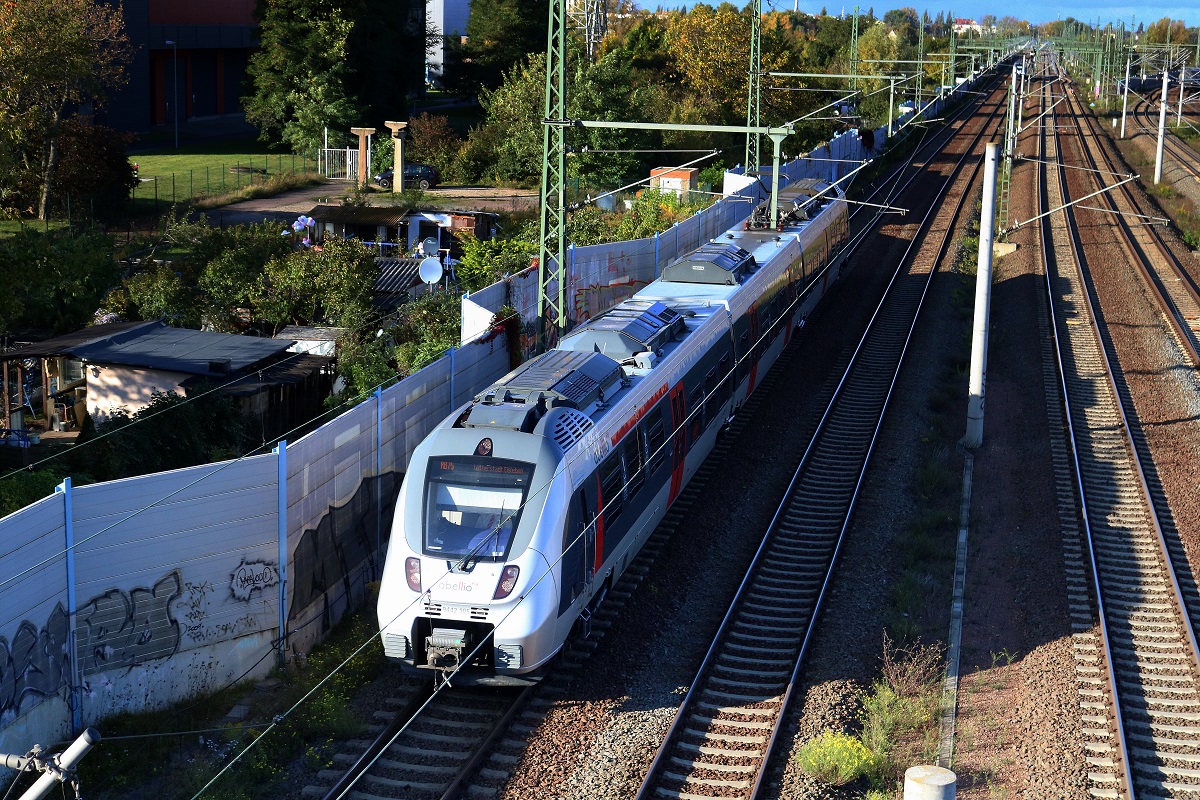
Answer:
[(448, 18)]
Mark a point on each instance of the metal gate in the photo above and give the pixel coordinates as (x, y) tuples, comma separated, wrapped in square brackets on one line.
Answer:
[(341, 163)]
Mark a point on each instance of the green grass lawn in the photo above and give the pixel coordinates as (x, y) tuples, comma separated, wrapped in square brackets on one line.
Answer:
[(212, 168), (9, 227)]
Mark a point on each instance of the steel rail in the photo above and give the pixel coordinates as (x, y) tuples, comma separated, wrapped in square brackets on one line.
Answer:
[(1178, 310), (1138, 578), (1046, 236), (829, 428), (1146, 120)]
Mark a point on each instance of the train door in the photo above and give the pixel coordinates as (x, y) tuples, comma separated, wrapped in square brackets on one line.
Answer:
[(756, 348), (579, 547), (678, 440)]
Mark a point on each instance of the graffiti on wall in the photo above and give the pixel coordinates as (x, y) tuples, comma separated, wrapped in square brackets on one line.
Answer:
[(594, 299), (36, 663), (251, 575), (333, 562), (120, 629), (192, 607)]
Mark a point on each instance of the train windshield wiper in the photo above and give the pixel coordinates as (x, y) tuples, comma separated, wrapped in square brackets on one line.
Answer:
[(468, 562)]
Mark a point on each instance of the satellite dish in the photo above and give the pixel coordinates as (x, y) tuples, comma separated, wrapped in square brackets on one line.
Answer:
[(429, 246), (430, 270)]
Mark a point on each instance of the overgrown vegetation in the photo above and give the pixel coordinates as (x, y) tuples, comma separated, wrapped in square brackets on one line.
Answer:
[(157, 763), (897, 724), (53, 281), (836, 758)]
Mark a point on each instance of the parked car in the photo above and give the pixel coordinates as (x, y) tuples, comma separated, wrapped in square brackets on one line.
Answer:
[(420, 175)]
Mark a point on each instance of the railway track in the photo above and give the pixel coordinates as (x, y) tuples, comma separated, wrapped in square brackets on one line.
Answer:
[(1174, 288), (473, 754), (474, 761), (1145, 120), (1140, 669), (727, 727)]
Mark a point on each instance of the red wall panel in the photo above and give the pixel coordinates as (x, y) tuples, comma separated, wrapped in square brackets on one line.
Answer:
[(209, 12)]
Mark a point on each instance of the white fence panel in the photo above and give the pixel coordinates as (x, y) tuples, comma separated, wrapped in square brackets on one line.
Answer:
[(478, 365), (35, 672), (169, 568), (602, 275), (411, 409), (334, 521)]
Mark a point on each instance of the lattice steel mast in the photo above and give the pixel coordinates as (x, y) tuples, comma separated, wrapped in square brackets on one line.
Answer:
[(552, 228), (753, 101), (854, 51), (590, 17)]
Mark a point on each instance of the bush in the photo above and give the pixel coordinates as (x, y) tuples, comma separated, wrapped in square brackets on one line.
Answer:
[(22, 488), (836, 758)]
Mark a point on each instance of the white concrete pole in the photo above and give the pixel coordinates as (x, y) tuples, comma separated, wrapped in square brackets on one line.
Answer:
[(1125, 96), (892, 104), (983, 301), (1162, 127), (1021, 89), (1012, 111), (1179, 113), (929, 783)]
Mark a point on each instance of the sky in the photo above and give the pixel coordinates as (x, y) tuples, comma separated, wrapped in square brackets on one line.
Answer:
[(1035, 11)]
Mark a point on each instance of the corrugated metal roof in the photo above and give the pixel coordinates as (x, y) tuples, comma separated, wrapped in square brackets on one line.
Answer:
[(157, 346), (310, 333), (397, 274), (359, 215)]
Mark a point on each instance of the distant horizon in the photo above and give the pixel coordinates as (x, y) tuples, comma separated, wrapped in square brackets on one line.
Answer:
[(975, 9)]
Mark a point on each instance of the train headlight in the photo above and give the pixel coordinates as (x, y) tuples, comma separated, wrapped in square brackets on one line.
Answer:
[(412, 571), (508, 582)]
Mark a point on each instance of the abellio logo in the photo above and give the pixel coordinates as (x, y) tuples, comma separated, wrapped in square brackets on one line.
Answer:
[(456, 586)]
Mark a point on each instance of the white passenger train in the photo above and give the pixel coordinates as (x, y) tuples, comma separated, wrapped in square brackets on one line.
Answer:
[(523, 507)]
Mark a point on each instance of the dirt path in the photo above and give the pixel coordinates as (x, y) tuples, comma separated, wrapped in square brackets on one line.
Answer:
[(288, 205)]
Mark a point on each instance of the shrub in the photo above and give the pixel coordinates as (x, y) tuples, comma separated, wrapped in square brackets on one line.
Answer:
[(19, 488), (836, 758)]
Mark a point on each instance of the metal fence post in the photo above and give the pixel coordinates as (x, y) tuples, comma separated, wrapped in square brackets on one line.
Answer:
[(64, 489), (378, 473), (281, 511), (450, 353), (656, 255)]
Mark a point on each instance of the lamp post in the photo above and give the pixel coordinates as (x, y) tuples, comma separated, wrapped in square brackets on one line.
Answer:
[(175, 102)]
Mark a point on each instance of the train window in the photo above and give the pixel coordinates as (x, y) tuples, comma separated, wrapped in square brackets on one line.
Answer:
[(473, 505), (635, 464), (726, 390), (743, 353), (612, 484), (656, 440), (712, 393), (695, 410)]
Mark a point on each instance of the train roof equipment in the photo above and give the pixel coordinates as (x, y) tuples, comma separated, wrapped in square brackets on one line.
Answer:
[(798, 203), (715, 262), (631, 327)]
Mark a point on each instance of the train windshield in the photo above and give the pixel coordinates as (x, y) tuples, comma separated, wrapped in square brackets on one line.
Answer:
[(472, 505)]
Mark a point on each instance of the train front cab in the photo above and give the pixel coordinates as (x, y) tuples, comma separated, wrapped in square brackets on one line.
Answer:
[(460, 587)]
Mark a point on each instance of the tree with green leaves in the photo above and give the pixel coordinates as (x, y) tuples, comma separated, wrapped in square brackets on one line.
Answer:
[(485, 261), (232, 279), (55, 55), (300, 75), (53, 281), (500, 35), (335, 64), (331, 286)]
